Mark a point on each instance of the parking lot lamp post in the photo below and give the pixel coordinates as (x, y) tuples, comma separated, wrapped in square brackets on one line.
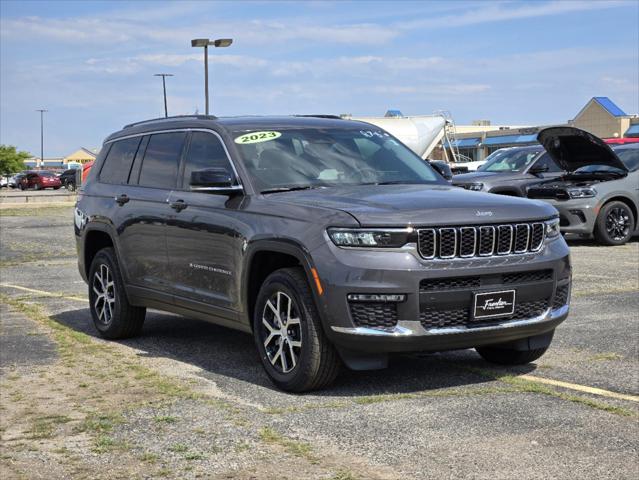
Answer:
[(205, 42), (164, 75), (41, 161)]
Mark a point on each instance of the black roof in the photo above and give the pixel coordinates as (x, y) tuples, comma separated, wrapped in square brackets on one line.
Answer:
[(236, 123)]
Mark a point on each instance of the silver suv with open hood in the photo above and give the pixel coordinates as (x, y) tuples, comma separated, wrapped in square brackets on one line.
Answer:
[(599, 194)]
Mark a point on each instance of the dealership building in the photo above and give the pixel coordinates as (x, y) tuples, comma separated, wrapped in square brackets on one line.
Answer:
[(600, 116)]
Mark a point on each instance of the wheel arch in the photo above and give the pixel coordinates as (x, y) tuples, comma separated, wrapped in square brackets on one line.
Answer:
[(627, 201), (262, 259), (95, 238)]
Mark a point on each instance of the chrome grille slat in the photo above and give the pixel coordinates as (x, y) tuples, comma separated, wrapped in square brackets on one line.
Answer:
[(480, 241)]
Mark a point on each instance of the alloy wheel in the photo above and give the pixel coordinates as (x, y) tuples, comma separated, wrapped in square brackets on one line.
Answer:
[(282, 332), (618, 223), (104, 289)]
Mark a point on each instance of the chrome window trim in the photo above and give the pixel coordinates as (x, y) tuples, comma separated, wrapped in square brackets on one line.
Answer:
[(187, 130)]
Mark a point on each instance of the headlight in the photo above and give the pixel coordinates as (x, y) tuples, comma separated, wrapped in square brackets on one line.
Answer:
[(475, 186), (581, 192), (374, 237), (552, 228)]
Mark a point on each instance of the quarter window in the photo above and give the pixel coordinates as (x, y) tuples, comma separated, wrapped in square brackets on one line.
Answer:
[(205, 151), (117, 164), (161, 160)]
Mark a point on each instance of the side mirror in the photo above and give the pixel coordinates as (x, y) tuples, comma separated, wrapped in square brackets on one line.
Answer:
[(537, 169), (214, 180)]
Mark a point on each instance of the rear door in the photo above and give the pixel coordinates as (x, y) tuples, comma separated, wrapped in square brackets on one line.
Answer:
[(204, 232), (143, 209)]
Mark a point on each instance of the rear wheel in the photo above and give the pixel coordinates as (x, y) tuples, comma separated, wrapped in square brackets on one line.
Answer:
[(37, 186), (112, 314), (293, 349), (614, 224), (70, 186)]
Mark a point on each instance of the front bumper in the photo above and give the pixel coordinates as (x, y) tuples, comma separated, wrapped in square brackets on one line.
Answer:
[(577, 215), (402, 273)]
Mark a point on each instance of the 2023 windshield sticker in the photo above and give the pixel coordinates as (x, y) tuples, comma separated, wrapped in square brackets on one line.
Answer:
[(257, 137)]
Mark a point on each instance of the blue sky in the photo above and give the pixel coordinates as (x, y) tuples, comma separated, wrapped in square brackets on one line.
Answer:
[(91, 64)]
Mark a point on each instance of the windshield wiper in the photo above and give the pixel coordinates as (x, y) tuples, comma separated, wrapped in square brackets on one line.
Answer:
[(289, 189)]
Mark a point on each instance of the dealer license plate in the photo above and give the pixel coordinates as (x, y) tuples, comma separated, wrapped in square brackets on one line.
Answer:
[(494, 304)]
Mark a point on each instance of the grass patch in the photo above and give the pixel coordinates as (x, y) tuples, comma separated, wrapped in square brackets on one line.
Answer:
[(178, 448), (104, 443), (193, 456), (294, 447), (44, 427), (36, 211), (344, 475), (165, 419), (149, 457), (99, 423)]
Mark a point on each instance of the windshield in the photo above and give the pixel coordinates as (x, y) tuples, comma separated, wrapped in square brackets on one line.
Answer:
[(629, 156), (510, 160), (594, 168), (319, 157)]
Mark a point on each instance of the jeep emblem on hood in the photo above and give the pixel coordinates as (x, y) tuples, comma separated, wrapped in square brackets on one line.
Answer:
[(486, 213)]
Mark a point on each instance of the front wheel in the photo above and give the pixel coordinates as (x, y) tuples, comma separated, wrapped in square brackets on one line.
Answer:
[(37, 186), (70, 186), (288, 333), (614, 224), (113, 316)]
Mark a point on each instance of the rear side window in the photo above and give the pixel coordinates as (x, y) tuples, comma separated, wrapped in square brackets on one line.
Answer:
[(117, 164), (205, 151), (161, 160)]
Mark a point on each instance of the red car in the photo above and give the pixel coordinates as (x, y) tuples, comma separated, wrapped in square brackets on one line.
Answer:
[(40, 180), (621, 141)]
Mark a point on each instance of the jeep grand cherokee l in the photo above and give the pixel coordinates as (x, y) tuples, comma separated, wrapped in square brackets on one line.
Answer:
[(328, 240)]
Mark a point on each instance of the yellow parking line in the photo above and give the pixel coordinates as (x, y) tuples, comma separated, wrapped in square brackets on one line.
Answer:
[(581, 388), (43, 293)]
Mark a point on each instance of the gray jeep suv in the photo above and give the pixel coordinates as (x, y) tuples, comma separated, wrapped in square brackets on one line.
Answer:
[(328, 240)]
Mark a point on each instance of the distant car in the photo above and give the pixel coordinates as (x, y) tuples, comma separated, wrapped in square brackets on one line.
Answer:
[(86, 168), (40, 180), (599, 194), (14, 182), (4, 182), (68, 179), (510, 171), (620, 141)]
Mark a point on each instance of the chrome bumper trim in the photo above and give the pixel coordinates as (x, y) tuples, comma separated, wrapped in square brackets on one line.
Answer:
[(406, 329)]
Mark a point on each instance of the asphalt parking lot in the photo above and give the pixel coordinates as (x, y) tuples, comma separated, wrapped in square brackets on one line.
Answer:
[(191, 400)]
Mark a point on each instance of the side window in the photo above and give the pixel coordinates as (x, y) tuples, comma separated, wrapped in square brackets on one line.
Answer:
[(117, 164), (545, 160), (205, 151), (161, 160)]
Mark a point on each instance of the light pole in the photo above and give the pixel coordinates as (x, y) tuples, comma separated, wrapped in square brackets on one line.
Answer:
[(164, 75), (205, 42), (39, 162)]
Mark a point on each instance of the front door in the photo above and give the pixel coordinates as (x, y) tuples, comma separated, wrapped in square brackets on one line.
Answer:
[(204, 231)]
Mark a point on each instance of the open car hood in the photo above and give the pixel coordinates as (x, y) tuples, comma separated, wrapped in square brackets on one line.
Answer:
[(573, 148)]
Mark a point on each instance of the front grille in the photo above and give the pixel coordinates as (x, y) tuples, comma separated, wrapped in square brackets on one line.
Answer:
[(438, 318), (561, 296), (527, 277), (486, 240), (449, 283), (374, 314)]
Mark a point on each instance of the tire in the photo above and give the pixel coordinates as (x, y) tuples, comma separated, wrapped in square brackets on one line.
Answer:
[(21, 187), (507, 356), (56, 188), (614, 224), (70, 186), (310, 362), (37, 187), (114, 318)]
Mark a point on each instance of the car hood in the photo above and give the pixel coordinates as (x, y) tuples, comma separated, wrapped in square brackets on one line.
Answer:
[(573, 148), (483, 176), (401, 205)]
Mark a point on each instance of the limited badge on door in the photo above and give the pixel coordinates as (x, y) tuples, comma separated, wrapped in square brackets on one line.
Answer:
[(494, 304)]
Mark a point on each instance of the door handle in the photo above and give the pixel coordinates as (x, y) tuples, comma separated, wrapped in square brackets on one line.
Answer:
[(122, 199), (178, 205)]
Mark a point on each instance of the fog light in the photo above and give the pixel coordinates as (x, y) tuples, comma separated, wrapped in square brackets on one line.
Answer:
[(375, 297)]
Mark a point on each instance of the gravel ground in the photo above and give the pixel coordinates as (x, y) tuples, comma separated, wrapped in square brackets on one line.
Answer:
[(427, 416)]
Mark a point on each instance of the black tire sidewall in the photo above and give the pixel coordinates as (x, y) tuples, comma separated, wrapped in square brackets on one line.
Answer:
[(602, 232), (281, 281)]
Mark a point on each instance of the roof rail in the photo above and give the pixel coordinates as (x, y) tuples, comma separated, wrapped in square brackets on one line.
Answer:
[(335, 117), (160, 119)]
